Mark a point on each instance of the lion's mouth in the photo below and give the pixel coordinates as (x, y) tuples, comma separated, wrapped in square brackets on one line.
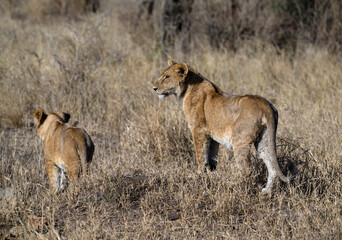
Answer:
[(163, 94)]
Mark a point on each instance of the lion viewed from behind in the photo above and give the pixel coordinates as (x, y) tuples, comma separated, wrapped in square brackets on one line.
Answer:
[(215, 117), (68, 150)]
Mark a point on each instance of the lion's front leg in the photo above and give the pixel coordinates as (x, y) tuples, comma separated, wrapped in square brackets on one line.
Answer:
[(212, 155), (202, 146)]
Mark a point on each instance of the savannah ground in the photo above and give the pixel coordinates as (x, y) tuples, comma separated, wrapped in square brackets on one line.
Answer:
[(142, 182)]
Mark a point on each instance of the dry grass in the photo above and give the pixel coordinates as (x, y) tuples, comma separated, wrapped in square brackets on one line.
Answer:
[(142, 183)]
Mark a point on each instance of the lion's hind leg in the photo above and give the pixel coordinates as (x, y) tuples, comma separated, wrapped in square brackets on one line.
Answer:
[(52, 172), (241, 148)]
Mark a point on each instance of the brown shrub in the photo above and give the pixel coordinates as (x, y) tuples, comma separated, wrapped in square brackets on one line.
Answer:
[(224, 23), (42, 10)]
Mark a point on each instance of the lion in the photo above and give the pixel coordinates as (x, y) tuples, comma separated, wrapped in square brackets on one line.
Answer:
[(215, 117), (68, 150)]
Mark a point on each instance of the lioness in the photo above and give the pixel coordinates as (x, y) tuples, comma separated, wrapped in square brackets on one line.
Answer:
[(68, 149), (215, 117)]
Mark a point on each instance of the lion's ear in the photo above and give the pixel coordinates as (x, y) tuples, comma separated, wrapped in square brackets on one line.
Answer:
[(171, 62), (40, 116), (64, 116), (182, 69)]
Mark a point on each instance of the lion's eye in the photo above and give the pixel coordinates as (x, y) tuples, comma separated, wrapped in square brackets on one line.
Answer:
[(165, 77)]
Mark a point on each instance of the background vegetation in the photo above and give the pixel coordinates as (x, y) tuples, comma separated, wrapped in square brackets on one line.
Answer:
[(98, 62)]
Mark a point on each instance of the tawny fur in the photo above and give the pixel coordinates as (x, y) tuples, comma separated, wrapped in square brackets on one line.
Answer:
[(215, 117), (67, 149)]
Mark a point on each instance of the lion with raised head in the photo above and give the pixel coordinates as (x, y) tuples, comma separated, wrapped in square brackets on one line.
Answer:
[(215, 117), (68, 150)]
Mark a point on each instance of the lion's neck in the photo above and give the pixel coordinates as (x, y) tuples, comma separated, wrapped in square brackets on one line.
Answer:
[(191, 80), (195, 82)]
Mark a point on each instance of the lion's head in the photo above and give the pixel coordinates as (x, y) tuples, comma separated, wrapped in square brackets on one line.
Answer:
[(43, 120), (170, 80)]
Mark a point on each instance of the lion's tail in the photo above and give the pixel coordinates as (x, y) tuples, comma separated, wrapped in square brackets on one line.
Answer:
[(272, 138), (86, 152)]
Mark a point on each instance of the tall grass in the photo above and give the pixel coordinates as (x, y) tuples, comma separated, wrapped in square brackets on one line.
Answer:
[(142, 182)]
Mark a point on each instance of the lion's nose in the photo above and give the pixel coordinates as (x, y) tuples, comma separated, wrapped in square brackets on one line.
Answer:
[(155, 88)]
